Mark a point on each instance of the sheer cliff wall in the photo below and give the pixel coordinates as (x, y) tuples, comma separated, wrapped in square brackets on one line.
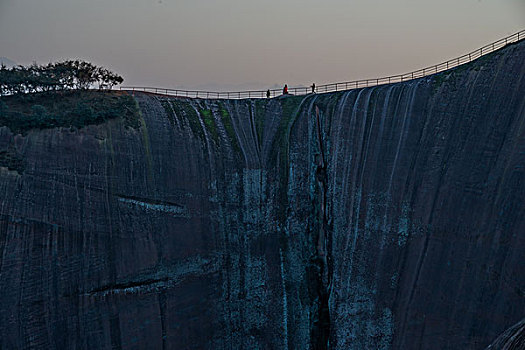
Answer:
[(378, 218)]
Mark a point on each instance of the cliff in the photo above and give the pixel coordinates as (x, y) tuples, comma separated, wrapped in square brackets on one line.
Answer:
[(378, 218)]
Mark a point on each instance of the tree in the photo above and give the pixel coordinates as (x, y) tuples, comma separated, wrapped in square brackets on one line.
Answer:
[(65, 75), (108, 79), (3, 79)]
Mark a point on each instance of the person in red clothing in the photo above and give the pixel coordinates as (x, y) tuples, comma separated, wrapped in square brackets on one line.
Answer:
[(285, 90)]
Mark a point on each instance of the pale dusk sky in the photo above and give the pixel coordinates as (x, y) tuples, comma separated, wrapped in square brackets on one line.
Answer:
[(243, 44)]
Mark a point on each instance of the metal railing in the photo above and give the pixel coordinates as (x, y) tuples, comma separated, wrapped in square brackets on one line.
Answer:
[(348, 85)]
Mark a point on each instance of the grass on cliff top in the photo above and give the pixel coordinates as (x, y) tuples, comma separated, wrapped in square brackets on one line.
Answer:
[(24, 112)]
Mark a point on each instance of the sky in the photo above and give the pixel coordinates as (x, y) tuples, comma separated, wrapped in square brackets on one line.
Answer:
[(244, 44)]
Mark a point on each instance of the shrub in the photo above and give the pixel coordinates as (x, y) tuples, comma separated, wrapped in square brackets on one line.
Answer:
[(24, 112), (39, 111)]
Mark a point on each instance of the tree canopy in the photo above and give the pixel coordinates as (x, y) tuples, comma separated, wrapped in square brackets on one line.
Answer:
[(66, 75)]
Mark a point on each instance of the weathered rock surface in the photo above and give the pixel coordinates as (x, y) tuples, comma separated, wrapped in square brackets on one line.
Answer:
[(512, 339), (386, 217)]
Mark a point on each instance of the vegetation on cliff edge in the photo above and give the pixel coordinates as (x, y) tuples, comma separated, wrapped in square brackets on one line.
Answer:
[(66, 75), (70, 108)]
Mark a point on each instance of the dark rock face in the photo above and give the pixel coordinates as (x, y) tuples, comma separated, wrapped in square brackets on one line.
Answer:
[(388, 217)]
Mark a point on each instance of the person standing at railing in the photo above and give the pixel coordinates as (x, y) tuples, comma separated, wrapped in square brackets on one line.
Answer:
[(285, 89), (268, 93), (313, 88)]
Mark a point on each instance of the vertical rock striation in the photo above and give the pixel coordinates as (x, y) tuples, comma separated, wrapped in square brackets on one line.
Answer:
[(378, 218), (512, 339)]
